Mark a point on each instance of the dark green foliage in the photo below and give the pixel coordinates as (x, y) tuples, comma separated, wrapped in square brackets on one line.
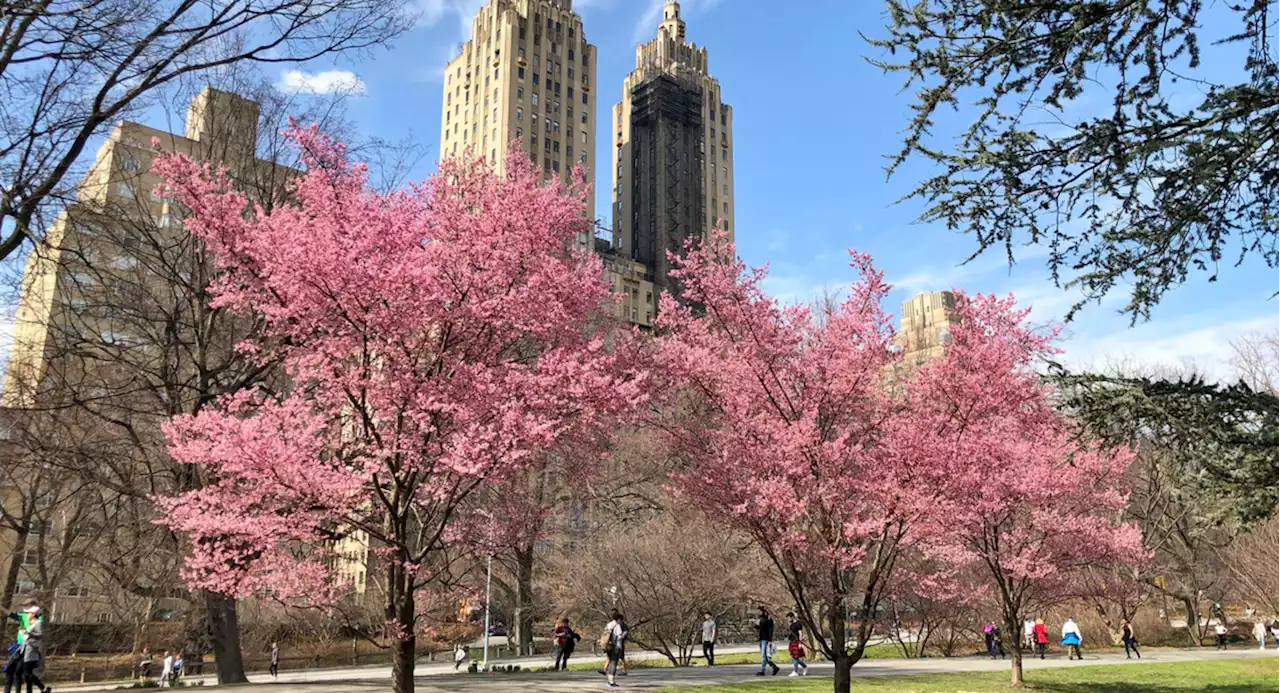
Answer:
[(1154, 189), (1224, 437)]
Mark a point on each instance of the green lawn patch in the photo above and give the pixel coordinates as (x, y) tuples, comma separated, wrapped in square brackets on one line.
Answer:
[(1223, 676)]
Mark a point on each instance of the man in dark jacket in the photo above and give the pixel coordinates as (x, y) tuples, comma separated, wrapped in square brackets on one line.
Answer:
[(764, 630)]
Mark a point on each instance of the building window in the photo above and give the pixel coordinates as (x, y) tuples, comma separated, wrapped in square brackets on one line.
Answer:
[(724, 171), (125, 190), (726, 207), (522, 34), (519, 133), (584, 98), (553, 47), (571, 92), (584, 113), (519, 93), (31, 556), (519, 114), (535, 98), (132, 165), (535, 79), (722, 118), (555, 165), (546, 144), (583, 157), (555, 146), (555, 127), (521, 52), (557, 88), (520, 72), (568, 151), (584, 137), (548, 124)]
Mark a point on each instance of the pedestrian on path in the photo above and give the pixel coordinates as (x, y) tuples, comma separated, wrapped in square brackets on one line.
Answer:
[(565, 640), (1129, 639), (179, 667), (614, 640), (275, 660), (795, 647), (1220, 636), (709, 638), (33, 649), (1042, 637), (144, 666), (1260, 634), (14, 667), (166, 670), (1029, 635), (764, 632), (989, 635), (459, 656), (1072, 640)]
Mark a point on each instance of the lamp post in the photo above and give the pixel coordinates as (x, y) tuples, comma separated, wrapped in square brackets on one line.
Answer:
[(488, 590)]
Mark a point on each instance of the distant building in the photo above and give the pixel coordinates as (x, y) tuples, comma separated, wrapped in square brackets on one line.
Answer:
[(925, 328), (672, 162), (526, 74)]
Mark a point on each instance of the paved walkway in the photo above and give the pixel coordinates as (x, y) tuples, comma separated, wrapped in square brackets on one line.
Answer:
[(439, 678)]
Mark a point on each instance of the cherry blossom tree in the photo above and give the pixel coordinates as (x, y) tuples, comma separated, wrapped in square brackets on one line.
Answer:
[(436, 340), (1027, 502), (793, 435)]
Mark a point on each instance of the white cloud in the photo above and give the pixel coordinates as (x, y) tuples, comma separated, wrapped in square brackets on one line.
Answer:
[(327, 82), (1179, 343)]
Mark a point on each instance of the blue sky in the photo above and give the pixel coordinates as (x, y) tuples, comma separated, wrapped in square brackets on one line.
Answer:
[(813, 122)]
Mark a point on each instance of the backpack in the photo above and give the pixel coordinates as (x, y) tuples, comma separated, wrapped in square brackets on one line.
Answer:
[(796, 649), (606, 639)]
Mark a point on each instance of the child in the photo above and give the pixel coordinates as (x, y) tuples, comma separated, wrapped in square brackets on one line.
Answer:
[(177, 667), (798, 665), (166, 670)]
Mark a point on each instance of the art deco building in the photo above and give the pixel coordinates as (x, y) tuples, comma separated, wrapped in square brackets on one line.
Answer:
[(926, 326), (672, 162), (526, 74)]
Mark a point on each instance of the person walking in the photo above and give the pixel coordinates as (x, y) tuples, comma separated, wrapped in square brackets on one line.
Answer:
[(1072, 640), (999, 638), (1260, 634), (1042, 637), (989, 636), (764, 633), (166, 670), (1029, 635), (565, 640), (14, 668), (709, 638), (1129, 639), (144, 666), (459, 656), (615, 641), (178, 667), (275, 660), (33, 650), (1220, 636), (795, 646)]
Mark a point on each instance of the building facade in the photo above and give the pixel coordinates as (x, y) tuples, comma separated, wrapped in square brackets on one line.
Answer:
[(925, 326), (672, 158), (527, 74), (100, 346)]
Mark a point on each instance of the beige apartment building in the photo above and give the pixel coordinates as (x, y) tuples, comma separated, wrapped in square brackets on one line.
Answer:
[(672, 162), (925, 326), (526, 74), (101, 316)]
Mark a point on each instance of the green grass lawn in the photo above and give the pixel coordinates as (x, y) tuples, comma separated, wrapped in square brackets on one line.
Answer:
[(1228, 676)]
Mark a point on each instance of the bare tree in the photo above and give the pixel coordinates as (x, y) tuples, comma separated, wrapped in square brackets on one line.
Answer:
[(1256, 360), (663, 577), (70, 68)]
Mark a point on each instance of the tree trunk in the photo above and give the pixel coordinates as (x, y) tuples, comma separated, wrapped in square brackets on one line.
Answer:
[(404, 649), (524, 601), (15, 567), (224, 630), (1012, 628), (1193, 621), (843, 674)]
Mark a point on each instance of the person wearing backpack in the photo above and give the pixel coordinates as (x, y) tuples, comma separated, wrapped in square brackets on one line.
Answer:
[(614, 641)]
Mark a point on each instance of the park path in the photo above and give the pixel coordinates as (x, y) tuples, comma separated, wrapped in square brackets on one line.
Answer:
[(436, 678)]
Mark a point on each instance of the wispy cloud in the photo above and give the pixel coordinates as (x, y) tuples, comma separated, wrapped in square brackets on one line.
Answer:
[(646, 25), (327, 82)]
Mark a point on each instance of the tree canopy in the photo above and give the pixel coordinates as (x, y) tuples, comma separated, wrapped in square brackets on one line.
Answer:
[(1165, 182)]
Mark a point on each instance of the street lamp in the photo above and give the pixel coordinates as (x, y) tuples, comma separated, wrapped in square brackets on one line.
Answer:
[(488, 591)]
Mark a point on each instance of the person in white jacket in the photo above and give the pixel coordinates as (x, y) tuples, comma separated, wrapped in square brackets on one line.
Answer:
[(1072, 640), (166, 671), (1260, 634)]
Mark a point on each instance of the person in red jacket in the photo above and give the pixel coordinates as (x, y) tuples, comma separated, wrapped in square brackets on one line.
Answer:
[(1042, 637)]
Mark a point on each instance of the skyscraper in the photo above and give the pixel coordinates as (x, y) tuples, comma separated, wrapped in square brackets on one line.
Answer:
[(526, 74), (673, 156)]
